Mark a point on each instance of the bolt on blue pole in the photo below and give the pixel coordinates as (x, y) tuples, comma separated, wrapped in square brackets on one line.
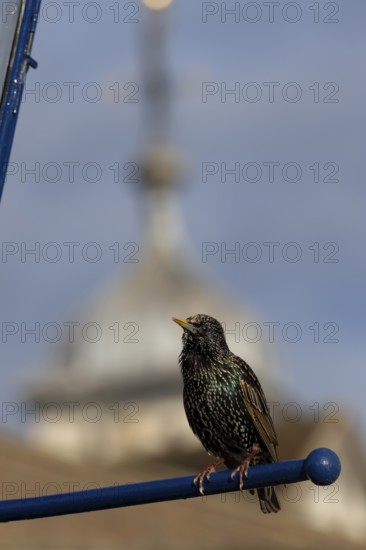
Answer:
[(322, 467)]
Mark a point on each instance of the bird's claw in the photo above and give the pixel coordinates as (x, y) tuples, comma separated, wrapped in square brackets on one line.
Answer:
[(244, 466), (206, 473), (243, 472)]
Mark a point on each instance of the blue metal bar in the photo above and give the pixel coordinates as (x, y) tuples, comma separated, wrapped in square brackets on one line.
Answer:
[(15, 83), (322, 467)]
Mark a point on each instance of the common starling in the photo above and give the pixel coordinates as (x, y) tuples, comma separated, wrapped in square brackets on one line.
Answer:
[(225, 405)]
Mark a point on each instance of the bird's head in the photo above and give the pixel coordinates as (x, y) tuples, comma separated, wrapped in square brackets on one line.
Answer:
[(202, 333)]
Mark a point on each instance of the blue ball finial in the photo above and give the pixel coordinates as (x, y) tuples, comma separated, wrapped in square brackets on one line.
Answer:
[(322, 466)]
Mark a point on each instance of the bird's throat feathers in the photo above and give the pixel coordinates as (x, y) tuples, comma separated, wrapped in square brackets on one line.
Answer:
[(197, 364)]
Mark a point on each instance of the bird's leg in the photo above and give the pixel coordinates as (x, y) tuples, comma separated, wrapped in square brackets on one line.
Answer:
[(244, 466), (206, 473)]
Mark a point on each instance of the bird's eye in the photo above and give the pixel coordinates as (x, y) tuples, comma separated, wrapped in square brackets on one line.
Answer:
[(199, 328)]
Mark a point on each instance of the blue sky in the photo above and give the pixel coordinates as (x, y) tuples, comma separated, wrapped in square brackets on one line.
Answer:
[(325, 60)]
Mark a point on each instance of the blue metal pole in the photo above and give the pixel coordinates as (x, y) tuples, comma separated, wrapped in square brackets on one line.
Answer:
[(15, 84), (322, 467)]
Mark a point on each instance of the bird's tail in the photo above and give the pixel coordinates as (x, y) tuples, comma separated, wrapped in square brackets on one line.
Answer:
[(268, 500)]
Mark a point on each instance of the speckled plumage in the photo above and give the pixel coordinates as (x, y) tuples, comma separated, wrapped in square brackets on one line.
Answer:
[(225, 404)]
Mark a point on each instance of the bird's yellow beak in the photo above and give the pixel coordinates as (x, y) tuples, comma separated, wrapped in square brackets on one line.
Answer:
[(184, 324)]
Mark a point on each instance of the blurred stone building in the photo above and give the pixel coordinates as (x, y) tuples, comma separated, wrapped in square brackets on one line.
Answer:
[(118, 397)]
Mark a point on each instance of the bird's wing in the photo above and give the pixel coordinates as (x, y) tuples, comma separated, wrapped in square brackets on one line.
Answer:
[(256, 405)]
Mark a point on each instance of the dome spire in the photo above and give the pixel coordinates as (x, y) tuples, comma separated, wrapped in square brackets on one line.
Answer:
[(160, 164)]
